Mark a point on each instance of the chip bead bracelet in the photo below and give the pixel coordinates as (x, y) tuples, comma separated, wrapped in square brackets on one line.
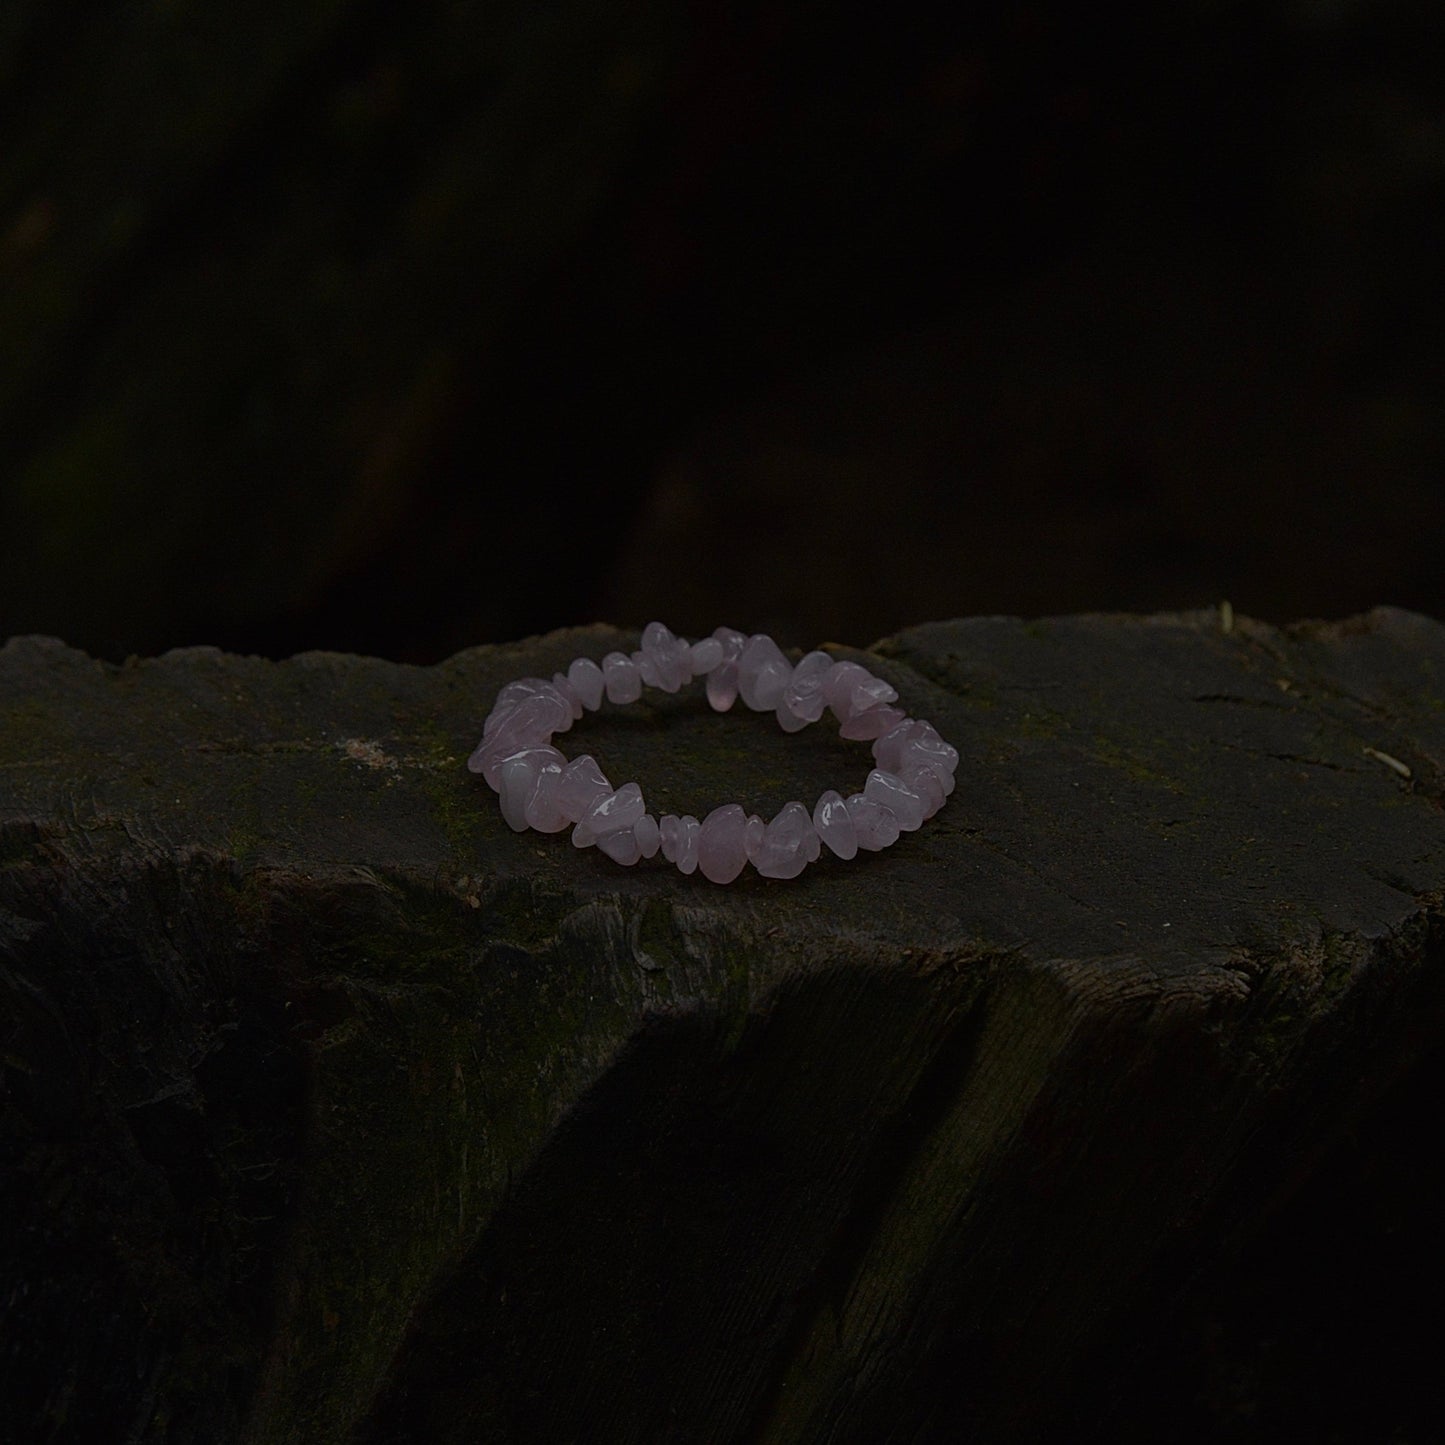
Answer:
[(541, 789)]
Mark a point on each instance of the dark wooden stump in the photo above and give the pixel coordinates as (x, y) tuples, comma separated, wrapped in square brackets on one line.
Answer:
[(336, 1111)]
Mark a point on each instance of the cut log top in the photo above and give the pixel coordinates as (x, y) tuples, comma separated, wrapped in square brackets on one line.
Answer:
[(336, 1110), (1148, 787)]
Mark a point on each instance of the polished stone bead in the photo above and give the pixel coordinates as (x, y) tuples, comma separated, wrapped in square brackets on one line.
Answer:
[(850, 688), (587, 682), (510, 696), (872, 722), (874, 826), (803, 700), (721, 848), (611, 812), (559, 681), (763, 673), (669, 832), (557, 709), (620, 845), (647, 834), (530, 724), (894, 794), (753, 837), (670, 656), (646, 668), (706, 654), (582, 784), (690, 836), (722, 681), (834, 825), (914, 740), (517, 780), (621, 678), (924, 781), (785, 847), (543, 811)]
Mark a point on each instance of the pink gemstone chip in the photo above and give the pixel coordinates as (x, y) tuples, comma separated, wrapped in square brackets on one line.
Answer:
[(648, 835), (706, 655), (621, 677), (517, 780), (530, 724), (609, 814), (621, 846), (722, 681), (565, 688), (583, 783), (850, 688), (834, 826), (895, 795), (543, 812), (874, 825), (872, 722), (785, 849), (803, 700), (689, 839), (587, 682), (721, 848), (508, 699), (763, 673), (669, 656), (924, 781), (914, 741)]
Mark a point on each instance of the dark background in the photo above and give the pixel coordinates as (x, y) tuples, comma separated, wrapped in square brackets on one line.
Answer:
[(402, 327), (399, 328)]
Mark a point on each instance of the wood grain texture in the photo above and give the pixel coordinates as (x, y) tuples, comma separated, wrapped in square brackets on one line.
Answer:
[(334, 1110)]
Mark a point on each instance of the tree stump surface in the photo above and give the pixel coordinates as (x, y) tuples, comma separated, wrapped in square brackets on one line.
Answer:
[(336, 1111)]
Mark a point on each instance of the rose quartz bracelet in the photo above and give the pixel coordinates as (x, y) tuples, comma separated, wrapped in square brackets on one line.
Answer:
[(540, 789)]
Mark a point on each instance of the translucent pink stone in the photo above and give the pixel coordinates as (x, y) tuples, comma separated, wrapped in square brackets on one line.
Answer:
[(914, 741), (850, 688), (722, 681), (924, 781), (690, 837), (834, 826), (894, 794), (530, 724), (587, 682), (721, 847), (510, 696), (621, 678), (582, 784), (874, 826), (669, 830), (763, 673), (559, 681), (543, 812), (646, 668), (706, 655), (803, 701), (670, 656), (753, 837), (648, 836), (517, 780), (784, 852), (608, 814), (558, 708), (621, 845), (872, 722)]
